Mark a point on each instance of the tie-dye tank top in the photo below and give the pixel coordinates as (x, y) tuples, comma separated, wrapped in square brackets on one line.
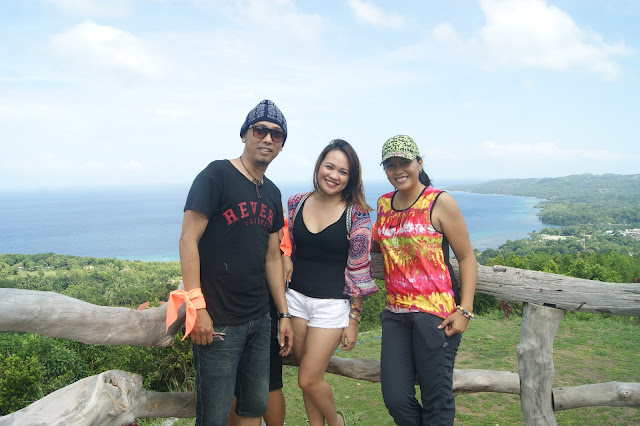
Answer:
[(416, 257)]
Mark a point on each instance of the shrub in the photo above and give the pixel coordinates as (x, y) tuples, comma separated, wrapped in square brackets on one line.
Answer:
[(371, 308), (19, 383)]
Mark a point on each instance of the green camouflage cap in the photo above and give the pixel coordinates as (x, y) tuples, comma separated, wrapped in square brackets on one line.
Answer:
[(400, 146)]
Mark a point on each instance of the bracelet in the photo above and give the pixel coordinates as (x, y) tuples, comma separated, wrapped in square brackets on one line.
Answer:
[(355, 316), (355, 308), (465, 312), (284, 315)]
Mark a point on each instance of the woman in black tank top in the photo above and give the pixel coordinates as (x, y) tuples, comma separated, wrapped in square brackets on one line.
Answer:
[(323, 315)]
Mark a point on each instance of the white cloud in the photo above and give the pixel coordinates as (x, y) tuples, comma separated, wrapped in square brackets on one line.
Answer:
[(533, 34), (371, 14), (157, 94), (53, 164), (528, 84), (64, 168), (172, 111), (445, 32), (283, 16), (109, 48), (527, 160), (94, 166), (30, 111), (133, 165), (543, 150), (93, 8)]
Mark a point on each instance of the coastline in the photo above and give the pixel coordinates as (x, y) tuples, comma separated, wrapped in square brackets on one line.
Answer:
[(144, 223)]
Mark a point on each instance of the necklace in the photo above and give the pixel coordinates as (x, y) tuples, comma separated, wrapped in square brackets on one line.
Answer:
[(258, 182)]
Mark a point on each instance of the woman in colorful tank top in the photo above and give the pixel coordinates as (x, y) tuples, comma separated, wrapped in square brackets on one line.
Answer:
[(426, 309), (329, 272)]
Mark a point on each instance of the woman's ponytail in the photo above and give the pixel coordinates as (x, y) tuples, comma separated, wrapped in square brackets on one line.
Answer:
[(423, 176)]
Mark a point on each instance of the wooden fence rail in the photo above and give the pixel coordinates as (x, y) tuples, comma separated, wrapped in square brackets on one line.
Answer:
[(117, 397)]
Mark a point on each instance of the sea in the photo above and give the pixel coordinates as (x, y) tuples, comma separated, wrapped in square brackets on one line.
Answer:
[(144, 223)]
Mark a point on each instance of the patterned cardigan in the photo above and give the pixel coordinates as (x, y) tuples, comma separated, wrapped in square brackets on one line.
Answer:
[(358, 276)]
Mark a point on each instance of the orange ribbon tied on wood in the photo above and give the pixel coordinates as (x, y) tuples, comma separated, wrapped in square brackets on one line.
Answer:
[(194, 300)]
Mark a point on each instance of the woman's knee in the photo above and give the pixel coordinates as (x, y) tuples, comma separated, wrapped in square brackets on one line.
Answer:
[(309, 382)]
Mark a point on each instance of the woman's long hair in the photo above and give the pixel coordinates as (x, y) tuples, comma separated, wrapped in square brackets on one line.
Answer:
[(353, 193), (423, 177)]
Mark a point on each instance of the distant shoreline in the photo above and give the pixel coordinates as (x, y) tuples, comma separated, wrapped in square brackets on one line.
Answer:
[(144, 223)]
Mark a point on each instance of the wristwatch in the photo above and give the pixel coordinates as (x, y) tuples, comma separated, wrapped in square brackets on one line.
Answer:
[(284, 315)]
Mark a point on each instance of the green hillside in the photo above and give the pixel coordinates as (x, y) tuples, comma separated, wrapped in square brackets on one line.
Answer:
[(587, 199)]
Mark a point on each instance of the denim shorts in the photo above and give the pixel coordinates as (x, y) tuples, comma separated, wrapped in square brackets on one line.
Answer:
[(240, 362), (322, 313)]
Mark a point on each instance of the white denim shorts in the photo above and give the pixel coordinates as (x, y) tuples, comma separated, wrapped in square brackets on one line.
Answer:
[(321, 313)]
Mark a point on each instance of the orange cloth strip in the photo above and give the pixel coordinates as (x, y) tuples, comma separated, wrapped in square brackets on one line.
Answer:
[(285, 242), (194, 300)]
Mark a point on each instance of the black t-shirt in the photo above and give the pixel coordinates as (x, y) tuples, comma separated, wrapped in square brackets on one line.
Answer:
[(234, 245), (320, 259)]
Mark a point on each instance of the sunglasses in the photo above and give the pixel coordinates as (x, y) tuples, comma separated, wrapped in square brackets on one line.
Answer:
[(260, 132)]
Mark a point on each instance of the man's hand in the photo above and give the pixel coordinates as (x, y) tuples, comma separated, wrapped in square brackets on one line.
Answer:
[(202, 333), (286, 336)]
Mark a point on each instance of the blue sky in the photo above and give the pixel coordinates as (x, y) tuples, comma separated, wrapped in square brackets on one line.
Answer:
[(98, 92)]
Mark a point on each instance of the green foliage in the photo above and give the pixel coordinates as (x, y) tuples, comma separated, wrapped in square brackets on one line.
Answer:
[(585, 355), (109, 282), (106, 282), (60, 362), (484, 303), (371, 308), (19, 382), (575, 200), (162, 369), (591, 248), (607, 266), (32, 366), (594, 208)]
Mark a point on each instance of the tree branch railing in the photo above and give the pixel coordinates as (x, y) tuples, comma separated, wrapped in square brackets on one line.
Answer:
[(117, 397)]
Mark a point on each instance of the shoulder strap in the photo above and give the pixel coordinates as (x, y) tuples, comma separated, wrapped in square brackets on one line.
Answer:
[(349, 219), (295, 212)]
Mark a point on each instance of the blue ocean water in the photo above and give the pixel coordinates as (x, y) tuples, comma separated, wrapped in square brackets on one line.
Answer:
[(143, 223)]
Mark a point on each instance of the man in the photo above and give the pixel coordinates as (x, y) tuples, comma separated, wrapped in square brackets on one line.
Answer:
[(228, 247)]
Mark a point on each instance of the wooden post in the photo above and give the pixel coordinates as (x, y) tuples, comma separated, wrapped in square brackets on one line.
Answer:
[(535, 363)]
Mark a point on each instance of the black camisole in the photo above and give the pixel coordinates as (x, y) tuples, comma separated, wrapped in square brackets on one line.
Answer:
[(320, 259)]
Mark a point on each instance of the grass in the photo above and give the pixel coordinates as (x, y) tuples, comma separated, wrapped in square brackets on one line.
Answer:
[(587, 349)]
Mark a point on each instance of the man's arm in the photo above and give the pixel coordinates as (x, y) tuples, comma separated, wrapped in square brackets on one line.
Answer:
[(275, 282), (194, 224)]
